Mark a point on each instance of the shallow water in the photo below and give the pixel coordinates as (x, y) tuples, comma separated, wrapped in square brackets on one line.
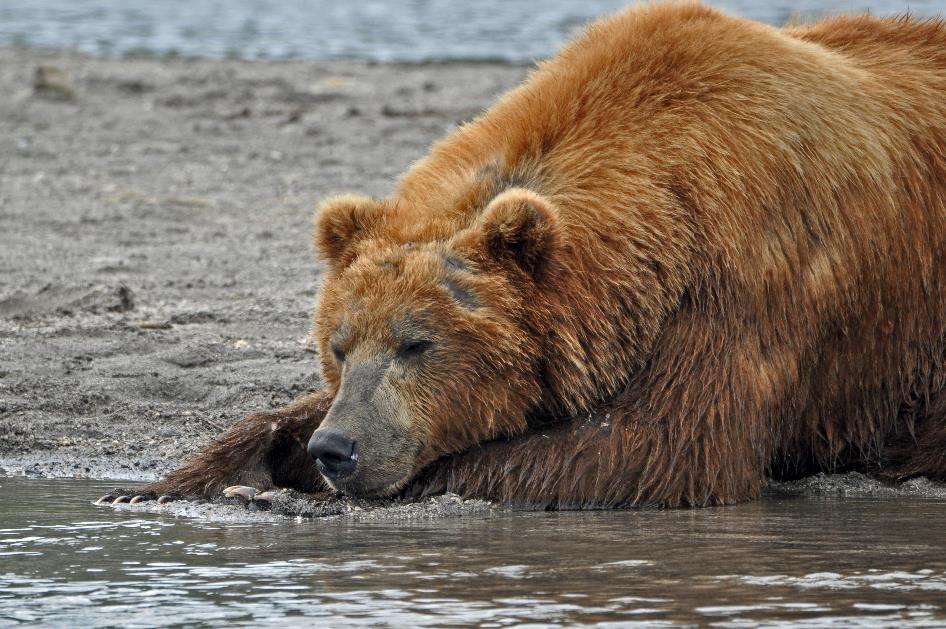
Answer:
[(411, 30), (783, 561)]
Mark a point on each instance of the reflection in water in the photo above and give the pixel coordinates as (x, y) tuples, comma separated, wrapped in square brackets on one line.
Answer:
[(786, 561)]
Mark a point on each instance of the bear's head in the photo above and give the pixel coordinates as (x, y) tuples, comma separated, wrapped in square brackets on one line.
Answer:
[(426, 338)]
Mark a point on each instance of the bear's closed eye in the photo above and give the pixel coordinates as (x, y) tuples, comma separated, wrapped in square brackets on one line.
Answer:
[(414, 348)]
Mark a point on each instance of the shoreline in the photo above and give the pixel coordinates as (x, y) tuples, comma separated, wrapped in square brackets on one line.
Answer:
[(171, 56)]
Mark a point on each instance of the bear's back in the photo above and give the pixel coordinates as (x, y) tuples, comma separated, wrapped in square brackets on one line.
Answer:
[(876, 43)]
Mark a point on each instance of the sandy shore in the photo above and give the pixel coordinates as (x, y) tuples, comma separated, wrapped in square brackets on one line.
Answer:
[(156, 276)]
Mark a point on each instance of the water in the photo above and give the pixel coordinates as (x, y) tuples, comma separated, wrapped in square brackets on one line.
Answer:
[(790, 561), (412, 30)]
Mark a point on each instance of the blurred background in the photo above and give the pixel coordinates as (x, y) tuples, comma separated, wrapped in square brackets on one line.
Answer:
[(380, 30)]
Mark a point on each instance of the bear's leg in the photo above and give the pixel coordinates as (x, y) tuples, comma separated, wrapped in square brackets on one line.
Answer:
[(263, 451), (695, 428), (599, 461)]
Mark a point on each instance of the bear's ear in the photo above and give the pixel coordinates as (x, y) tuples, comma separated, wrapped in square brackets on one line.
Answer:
[(340, 223), (522, 227)]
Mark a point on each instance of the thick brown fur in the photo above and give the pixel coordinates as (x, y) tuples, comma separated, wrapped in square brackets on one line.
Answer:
[(699, 251)]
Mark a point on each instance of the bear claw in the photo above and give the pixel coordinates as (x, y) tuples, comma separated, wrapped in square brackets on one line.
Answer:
[(240, 491), (250, 494), (112, 499)]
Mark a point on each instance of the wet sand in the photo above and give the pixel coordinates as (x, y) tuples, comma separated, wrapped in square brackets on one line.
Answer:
[(156, 273)]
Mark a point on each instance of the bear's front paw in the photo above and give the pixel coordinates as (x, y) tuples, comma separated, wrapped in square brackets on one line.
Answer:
[(243, 493)]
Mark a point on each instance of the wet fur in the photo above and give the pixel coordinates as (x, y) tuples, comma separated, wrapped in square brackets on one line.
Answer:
[(736, 268)]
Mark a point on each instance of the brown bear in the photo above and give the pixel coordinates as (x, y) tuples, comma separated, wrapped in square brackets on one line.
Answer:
[(688, 253)]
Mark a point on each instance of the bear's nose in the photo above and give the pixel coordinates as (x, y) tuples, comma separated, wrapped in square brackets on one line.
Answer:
[(334, 454)]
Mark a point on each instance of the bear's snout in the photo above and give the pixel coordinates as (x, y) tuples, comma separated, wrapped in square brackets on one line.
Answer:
[(335, 454)]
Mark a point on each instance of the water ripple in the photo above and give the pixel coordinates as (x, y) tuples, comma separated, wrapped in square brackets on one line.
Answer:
[(781, 562)]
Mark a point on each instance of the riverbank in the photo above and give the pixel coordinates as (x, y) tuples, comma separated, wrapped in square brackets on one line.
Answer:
[(156, 275)]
